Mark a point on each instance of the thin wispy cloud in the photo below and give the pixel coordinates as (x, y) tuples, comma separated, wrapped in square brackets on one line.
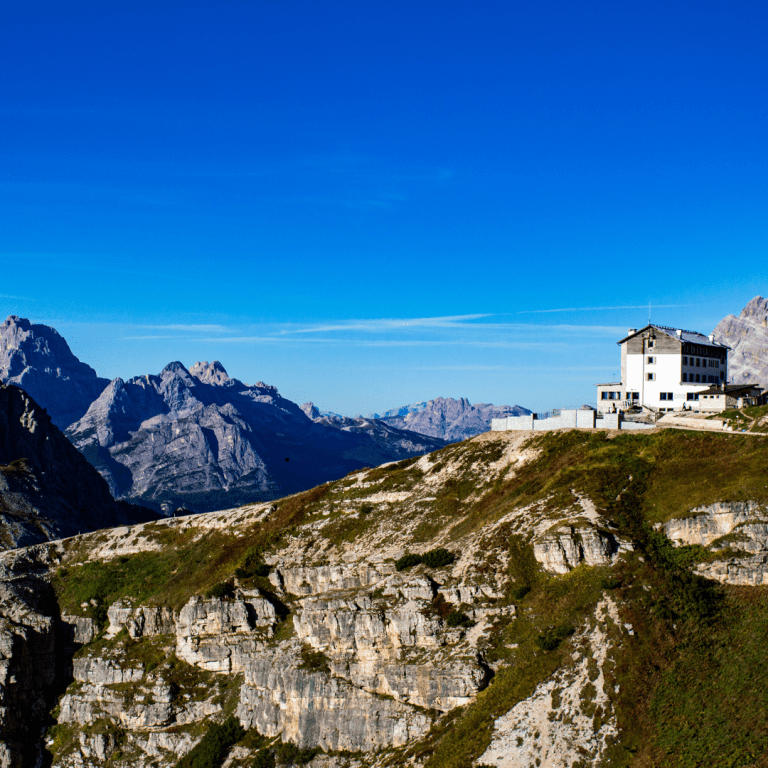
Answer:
[(598, 309), (15, 298), (191, 328), (379, 325)]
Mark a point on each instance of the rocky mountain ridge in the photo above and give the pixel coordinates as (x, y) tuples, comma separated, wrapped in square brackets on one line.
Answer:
[(747, 336), (196, 438), (511, 600), (200, 439)]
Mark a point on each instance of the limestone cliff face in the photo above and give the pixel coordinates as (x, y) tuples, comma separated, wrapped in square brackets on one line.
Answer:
[(747, 336), (304, 619)]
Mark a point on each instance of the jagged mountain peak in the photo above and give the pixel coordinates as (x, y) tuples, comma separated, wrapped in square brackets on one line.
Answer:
[(38, 359), (311, 410), (175, 368), (757, 307), (747, 336), (211, 373)]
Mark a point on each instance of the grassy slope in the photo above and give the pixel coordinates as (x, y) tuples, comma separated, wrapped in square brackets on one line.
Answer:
[(692, 690)]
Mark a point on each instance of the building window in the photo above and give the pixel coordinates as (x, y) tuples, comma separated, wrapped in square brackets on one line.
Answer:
[(685, 360), (650, 360), (685, 377), (698, 378), (665, 396), (722, 375), (650, 376), (692, 396), (698, 362)]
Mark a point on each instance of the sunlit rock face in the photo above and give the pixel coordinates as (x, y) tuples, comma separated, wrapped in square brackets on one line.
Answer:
[(737, 531), (747, 336)]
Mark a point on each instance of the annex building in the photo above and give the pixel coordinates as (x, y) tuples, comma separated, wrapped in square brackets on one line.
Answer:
[(665, 369)]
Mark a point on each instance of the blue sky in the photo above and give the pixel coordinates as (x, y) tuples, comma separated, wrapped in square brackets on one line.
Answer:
[(369, 204)]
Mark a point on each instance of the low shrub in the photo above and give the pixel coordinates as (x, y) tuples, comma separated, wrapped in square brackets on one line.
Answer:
[(289, 754), (224, 590), (459, 619), (252, 566), (313, 661), (437, 558), (213, 748), (366, 509), (610, 583), (553, 637), (407, 561), (265, 758), (518, 593)]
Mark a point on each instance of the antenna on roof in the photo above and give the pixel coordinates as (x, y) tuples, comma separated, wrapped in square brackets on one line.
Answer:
[(649, 313)]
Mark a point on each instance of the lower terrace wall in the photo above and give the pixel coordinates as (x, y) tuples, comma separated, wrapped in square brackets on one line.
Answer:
[(568, 419)]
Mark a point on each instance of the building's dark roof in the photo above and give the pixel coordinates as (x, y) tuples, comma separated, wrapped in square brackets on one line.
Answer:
[(729, 389), (691, 337)]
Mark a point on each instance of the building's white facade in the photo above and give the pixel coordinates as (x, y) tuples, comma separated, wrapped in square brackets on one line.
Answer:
[(665, 369)]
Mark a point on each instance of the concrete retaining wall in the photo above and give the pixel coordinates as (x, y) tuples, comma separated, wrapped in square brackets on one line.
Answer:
[(568, 419)]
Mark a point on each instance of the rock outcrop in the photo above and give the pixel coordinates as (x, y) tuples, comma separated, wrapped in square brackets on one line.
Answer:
[(747, 336), (47, 489), (738, 531)]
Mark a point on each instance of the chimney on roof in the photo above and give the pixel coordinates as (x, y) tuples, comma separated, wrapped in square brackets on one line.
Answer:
[(711, 336), (631, 331), (679, 333)]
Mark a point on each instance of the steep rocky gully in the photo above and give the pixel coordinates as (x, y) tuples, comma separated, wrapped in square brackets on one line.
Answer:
[(511, 644)]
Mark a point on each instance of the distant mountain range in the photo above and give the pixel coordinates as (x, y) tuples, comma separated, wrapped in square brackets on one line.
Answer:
[(449, 419)]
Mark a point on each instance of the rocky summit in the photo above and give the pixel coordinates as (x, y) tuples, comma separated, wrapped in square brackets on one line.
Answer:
[(37, 359), (449, 419), (747, 336), (565, 599), (47, 489)]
